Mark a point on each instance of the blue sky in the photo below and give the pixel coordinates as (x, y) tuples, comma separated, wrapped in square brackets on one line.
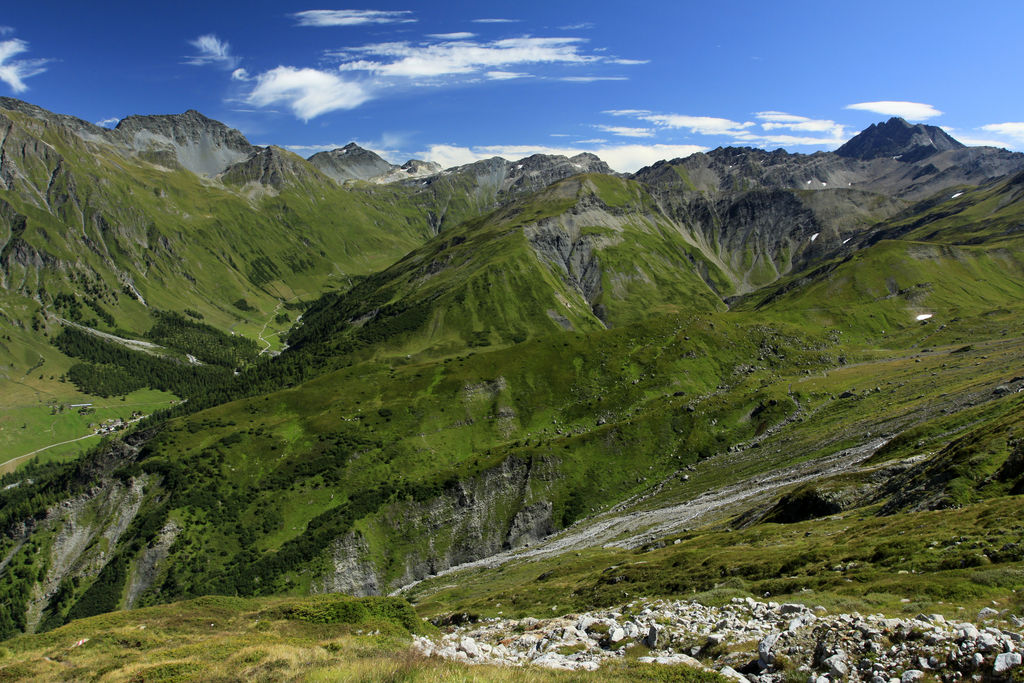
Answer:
[(454, 81)]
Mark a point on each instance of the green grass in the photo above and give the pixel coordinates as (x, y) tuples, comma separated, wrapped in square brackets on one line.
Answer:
[(229, 639), (25, 428)]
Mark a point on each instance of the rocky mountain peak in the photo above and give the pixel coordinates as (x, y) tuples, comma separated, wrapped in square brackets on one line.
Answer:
[(898, 139), (191, 139), (350, 162)]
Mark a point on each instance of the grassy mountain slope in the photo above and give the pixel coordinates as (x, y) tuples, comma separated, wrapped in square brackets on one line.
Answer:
[(586, 252), (101, 237), (959, 259)]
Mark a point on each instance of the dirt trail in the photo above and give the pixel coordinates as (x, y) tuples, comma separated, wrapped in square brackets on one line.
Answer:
[(634, 529)]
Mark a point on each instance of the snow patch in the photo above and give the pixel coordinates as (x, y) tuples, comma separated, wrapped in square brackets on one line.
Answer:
[(956, 195), (815, 236), (847, 240), (924, 316)]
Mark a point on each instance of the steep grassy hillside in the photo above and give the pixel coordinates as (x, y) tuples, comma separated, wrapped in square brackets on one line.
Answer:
[(954, 264), (585, 253)]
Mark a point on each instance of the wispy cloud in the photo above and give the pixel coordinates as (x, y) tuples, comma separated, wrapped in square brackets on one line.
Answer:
[(619, 157), (13, 72), (1011, 135), (352, 17), (108, 123), (212, 50), (907, 110), (459, 35), (773, 128), (626, 112), (592, 79), (426, 60), (833, 133), (496, 21), (368, 71), (625, 131), (506, 75), (583, 26), (307, 92), (702, 125), (6, 30), (1013, 130)]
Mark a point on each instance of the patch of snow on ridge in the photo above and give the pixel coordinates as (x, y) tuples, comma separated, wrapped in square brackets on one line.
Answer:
[(924, 316), (815, 236), (956, 195)]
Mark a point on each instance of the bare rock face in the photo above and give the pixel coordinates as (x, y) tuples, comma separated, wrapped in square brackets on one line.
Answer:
[(191, 140), (899, 140), (350, 162)]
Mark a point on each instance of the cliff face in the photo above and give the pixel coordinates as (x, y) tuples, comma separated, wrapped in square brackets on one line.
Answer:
[(503, 508)]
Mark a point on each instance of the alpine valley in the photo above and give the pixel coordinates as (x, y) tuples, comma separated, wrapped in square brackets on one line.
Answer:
[(743, 413)]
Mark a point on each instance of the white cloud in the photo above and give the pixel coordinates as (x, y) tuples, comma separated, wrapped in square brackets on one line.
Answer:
[(443, 59), (212, 50), (907, 110), (776, 128), (702, 125), (14, 72), (591, 141), (577, 27), (778, 120), (108, 123), (307, 92), (629, 158), (619, 157), (592, 79), (626, 112), (460, 35), (406, 60), (1013, 130), (352, 17), (625, 131), (6, 30), (506, 75), (629, 62), (986, 142), (496, 21)]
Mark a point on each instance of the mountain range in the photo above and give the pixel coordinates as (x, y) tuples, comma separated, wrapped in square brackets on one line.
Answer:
[(370, 376)]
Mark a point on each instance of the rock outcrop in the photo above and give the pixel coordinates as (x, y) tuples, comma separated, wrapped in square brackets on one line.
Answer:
[(745, 640)]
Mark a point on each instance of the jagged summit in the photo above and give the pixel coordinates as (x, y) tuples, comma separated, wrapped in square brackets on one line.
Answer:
[(899, 139)]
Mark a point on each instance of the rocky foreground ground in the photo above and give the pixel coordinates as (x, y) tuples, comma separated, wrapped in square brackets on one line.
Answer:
[(761, 642)]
